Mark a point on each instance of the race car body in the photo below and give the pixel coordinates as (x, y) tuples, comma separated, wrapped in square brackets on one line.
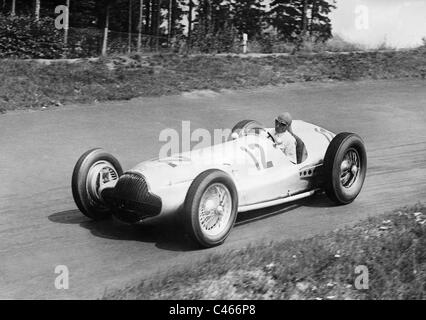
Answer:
[(208, 186), (261, 171)]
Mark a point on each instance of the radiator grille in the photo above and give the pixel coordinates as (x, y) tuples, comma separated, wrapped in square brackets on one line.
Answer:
[(132, 199)]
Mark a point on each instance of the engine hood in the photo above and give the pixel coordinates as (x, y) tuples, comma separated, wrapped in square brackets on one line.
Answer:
[(163, 172), (184, 167)]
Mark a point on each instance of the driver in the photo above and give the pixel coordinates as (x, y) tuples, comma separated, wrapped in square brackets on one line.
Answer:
[(284, 137)]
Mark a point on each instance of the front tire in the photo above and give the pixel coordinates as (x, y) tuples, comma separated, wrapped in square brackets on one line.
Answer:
[(345, 167), (210, 208), (94, 170)]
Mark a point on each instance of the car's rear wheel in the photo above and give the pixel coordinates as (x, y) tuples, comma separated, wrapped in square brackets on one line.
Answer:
[(210, 208), (245, 126), (345, 167), (93, 172)]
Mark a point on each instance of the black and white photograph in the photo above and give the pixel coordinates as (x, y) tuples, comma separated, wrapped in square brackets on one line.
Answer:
[(215, 154)]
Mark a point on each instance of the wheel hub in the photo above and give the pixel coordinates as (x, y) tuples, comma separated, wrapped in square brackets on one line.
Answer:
[(349, 168), (101, 175)]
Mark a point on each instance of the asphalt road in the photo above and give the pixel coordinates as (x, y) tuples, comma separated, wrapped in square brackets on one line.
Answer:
[(40, 227)]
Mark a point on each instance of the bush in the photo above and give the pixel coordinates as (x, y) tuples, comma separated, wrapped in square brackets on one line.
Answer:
[(23, 37), (270, 43), (84, 42), (217, 42)]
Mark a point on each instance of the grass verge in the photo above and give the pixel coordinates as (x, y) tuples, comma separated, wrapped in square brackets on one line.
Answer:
[(391, 246), (29, 84)]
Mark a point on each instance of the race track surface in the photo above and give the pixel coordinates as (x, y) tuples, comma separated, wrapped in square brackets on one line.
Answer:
[(40, 227)]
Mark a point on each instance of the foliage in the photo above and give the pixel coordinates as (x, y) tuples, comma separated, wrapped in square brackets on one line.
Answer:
[(220, 22), (296, 18), (216, 41), (248, 17), (22, 37)]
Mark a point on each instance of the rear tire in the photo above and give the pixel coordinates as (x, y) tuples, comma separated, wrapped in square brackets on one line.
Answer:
[(345, 167), (89, 169), (210, 208), (244, 126)]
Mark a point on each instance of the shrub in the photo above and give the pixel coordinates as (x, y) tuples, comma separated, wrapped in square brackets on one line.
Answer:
[(23, 37), (217, 42), (84, 42)]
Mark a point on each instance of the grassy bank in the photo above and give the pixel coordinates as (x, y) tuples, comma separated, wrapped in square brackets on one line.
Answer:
[(391, 246), (28, 84)]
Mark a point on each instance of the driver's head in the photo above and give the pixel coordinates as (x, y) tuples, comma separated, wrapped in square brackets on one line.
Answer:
[(283, 122)]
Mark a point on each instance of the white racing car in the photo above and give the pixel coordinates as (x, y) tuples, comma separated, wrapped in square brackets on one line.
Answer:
[(207, 187)]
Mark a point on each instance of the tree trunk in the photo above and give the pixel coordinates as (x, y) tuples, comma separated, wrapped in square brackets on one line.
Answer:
[(13, 11), (140, 25), (130, 27), (191, 6), (157, 25), (210, 16), (37, 10), (304, 18), (313, 15), (148, 18), (169, 27), (67, 24), (105, 42)]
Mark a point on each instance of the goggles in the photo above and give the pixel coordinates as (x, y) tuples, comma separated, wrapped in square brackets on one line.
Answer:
[(280, 123)]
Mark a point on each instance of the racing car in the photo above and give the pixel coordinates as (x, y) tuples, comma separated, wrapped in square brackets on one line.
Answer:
[(206, 188)]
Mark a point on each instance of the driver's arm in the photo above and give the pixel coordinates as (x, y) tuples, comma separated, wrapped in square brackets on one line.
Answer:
[(289, 148)]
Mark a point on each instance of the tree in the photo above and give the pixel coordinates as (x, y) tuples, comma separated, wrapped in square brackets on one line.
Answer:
[(285, 16), (248, 16), (140, 25), (37, 10), (190, 22), (320, 27), (13, 10), (107, 5), (213, 28), (130, 26), (68, 4), (292, 22)]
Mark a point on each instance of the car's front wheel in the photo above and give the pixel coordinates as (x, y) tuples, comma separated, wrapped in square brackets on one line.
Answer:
[(210, 208), (93, 172), (345, 167)]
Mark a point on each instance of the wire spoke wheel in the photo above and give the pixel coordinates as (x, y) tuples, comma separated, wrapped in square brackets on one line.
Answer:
[(210, 209), (215, 209)]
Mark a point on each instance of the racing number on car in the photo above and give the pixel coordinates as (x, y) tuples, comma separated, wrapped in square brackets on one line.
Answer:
[(264, 164)]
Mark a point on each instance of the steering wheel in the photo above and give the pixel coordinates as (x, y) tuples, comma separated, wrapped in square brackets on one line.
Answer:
[(269, 135)]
